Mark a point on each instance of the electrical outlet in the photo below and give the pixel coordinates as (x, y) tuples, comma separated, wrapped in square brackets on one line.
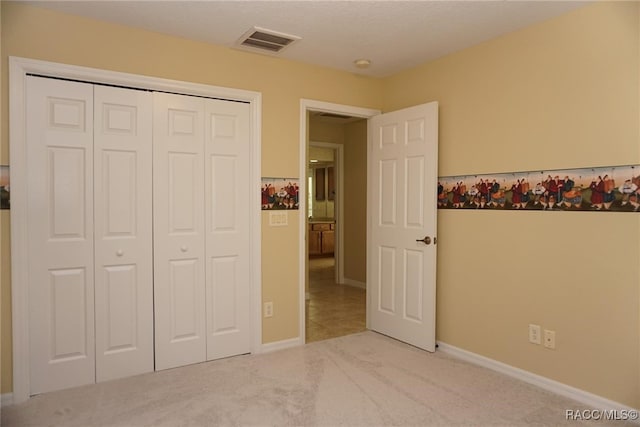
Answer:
[(534, 334), (550, 339), (268, 309)]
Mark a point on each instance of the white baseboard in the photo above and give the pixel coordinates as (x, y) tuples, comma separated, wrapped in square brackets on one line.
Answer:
[(6, 399), (355, 283), (565, 390), (281, 345)]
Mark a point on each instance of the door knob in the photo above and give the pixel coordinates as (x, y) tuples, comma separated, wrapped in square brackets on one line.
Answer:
[(426, 240), (184, 248), (119, 252)]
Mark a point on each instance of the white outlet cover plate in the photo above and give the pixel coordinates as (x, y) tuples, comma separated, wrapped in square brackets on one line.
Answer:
[(534, 334)]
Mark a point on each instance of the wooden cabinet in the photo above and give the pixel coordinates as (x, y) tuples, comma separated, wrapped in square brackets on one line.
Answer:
[(321, 238), (328, 242), (315, 242)]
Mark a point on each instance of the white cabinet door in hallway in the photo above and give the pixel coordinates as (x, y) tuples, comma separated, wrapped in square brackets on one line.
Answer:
[(202, 199), (90, 280)]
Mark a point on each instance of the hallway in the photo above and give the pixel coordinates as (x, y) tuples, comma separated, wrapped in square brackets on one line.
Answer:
[(332, 310)]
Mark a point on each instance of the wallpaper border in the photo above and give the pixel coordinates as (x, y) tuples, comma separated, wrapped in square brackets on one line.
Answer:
[(607, 189)]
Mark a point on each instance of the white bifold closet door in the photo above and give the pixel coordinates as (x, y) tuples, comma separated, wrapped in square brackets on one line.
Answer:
[(89, 237), (178, 209), (123, 232), (202, 197), (228, 200), (134, 199)]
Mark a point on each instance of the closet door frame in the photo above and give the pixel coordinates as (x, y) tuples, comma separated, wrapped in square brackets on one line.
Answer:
[(19, 68)]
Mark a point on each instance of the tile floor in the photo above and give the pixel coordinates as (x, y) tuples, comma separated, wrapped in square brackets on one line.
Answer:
[(333, 310)]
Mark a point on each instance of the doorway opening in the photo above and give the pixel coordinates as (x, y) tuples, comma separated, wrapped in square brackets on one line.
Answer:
[(333, 255), (332, 307)]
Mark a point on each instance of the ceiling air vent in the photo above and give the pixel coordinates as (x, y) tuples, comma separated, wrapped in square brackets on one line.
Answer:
[(266, 41)]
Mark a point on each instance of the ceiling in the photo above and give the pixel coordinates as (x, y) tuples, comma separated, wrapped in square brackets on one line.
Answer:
[(393, 34)]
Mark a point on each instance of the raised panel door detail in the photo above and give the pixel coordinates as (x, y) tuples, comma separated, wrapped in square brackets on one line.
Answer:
[(415, 131), (182, 197), (386, 279), (414, 186), (67, 114), (119, 119), (223, 293), (182, 122), (67, 192), (223, 126), (120, 182), (412, 284), (388, 135), (121, 308), (184, 281), (224, 193), (68, 314), (387, 192)]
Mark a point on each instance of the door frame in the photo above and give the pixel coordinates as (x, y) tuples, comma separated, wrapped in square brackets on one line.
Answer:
[(307, 105), (339, 203), (19, 68)]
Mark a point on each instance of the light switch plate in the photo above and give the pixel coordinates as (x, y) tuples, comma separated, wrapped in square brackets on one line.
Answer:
[(278, 218)]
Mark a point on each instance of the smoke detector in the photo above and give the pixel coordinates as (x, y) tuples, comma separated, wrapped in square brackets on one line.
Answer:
[(265, 41)]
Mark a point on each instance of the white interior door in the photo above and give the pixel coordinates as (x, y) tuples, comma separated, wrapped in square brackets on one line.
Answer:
[(179, 236), (123, 232), (402, 188), (228, 198), (59, 140)]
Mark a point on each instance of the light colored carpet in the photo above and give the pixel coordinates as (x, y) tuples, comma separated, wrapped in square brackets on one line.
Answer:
[(364, 379)]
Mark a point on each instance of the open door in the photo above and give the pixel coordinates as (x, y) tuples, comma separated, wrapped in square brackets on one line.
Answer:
[(401, 255)]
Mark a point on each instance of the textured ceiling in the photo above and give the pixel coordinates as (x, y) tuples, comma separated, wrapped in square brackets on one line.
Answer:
[(394, 35)]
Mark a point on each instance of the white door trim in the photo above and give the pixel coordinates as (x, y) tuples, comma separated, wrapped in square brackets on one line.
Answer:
[(18, 70), (339, 202), (307, 105)]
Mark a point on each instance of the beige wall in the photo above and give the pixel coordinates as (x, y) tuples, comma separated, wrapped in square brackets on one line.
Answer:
[(39, 34), (560, 94), (355, 203), (322, 131)]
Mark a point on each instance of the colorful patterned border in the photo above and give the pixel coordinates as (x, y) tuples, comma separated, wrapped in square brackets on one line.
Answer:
[(280, 193), (614, 188)]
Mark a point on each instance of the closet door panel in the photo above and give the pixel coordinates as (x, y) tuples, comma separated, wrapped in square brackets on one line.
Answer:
[(179, 230), (228, 198), (123, 232), (60, 236)]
